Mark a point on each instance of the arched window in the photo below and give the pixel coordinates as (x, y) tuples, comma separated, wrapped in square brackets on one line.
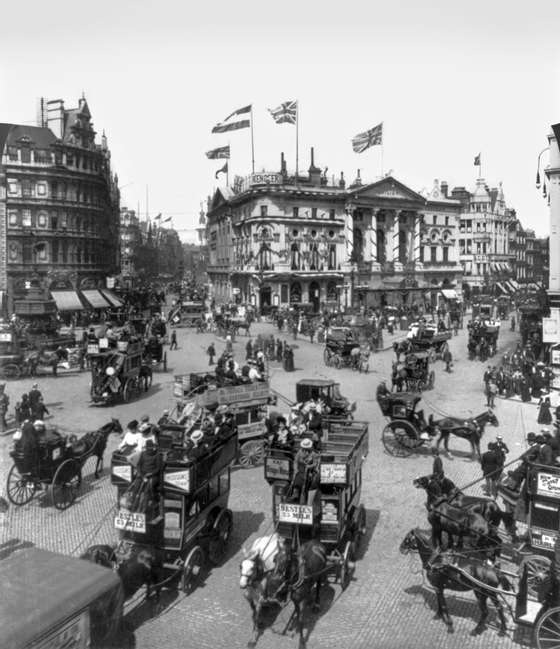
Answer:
[(332, 256), (295, 293), (296, 257)]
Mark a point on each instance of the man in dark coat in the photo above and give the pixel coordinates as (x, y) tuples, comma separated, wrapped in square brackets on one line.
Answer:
[(490, 464)]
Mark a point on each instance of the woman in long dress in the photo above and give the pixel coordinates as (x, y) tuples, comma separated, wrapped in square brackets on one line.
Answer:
[(545, 416)]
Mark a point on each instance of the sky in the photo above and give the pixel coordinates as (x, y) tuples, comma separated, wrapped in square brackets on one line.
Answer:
[(448, 78)]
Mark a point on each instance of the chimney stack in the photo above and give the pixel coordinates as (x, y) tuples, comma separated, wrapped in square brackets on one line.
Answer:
[(342, 182), (55, 117), (444, 188), (314, 172)]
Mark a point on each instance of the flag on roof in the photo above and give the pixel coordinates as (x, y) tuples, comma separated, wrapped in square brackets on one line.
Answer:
[(286, 112), (230, 124), (364, 140), (223, 170), (477, 160), (220, 152), (157, 217), (167, 219)]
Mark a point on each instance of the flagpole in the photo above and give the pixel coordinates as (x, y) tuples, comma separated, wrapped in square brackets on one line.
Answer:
[(297, 141), (252, 143), (480, 166), (381, 159)]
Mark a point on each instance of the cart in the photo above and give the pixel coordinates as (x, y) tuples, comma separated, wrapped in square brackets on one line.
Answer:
[(333, 515), (483, 338), (186, 314), (73, 604), (403, 434), (248, 403), (181, 523), (342, 348), (415, 370), (428, 339), (117, 373), (338, 408), (155, 355)]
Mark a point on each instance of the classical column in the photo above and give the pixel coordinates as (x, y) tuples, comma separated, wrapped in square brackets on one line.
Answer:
[(416, 238), (390, 222), (395, 242), (373, 236), (349, 232)]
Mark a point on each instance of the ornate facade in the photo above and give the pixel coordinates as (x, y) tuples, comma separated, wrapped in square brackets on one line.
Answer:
[(59, 201), (275, 241), (130, 243)]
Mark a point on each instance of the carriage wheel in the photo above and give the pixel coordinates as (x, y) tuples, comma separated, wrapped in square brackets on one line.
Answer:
[(547, 631), (192, 569), (10, 371), (20, 487), (327, 356), (165, 361), (346, 565), (400, 438), (360, 526), (65, 484), (221, 534), (127, 390), (431, 380), (537, 567), (251, 453)]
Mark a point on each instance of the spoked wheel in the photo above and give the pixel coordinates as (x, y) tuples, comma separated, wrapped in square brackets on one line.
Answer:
[(538, 568), (400, 438), (346, 565), (127, 390), (221, 533), (20, 487), (66, 483), (10, 371), (165, 361), (192, 569), (547, 631), (251, 453)]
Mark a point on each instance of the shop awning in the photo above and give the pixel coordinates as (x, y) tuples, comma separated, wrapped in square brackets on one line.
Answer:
[(502, 288), (94, 297), (111, 297), (514, 284), (449, 293), (67, 301)]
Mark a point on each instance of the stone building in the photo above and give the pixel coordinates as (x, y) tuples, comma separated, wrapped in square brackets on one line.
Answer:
[(275, 240), (484, 235), (59, 204), (130, 244)]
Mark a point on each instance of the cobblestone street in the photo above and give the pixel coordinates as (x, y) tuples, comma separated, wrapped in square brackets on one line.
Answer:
[(387, 604)]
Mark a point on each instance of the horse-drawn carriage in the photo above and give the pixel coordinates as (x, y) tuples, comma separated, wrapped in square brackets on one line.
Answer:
[(483, 337), (155, 355), (58, 465), (337, 408), (428, 338), (186, 314), (408, 429), (342, 348), (117, 372), (414, 374), (248, 403), (317, 532), (176, 522)]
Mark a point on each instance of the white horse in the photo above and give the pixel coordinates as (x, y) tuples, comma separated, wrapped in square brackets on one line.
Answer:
[(263, 576)]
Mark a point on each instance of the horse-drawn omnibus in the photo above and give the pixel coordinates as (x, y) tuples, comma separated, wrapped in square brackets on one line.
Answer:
[(248, 403), (117, 372), (68, 603), (186, 314), (317, 529), (178, 521)]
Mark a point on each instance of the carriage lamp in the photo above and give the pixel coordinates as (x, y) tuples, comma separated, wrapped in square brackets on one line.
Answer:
[(110, 371)]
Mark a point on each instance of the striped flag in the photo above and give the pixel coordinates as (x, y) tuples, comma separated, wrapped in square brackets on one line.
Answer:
[(220, 152), (286, 112), (157, 217), (167, 219), (477, 160), (364, 140), (229, 124), (223, 170)]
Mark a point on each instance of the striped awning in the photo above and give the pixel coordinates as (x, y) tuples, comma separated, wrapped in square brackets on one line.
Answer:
[(97, 301), (67, 301), (503, 288), (111, 297)]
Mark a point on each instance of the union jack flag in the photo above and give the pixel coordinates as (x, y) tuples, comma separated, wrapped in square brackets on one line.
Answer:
[(286, 112), (364, 140)]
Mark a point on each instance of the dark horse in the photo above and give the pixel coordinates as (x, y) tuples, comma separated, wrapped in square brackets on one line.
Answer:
[(467, 574), (136, 569), (445, 490), (270, 571), (470, 429), (95, 443)]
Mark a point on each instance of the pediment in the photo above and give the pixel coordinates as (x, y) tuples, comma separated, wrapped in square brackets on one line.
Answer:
[(388, 188), (221, 196)]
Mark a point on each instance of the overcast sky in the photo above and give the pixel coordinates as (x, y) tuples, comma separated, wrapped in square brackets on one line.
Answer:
[(449, 79)]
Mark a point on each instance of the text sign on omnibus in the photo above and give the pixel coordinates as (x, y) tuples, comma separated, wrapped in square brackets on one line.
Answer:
[(123, 472), (93, 349), (179, 479), (548, 484), (333, 473), (130, 521), (276, 468), (293, 513), (236, 394), (5, 337), (74, 634)]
